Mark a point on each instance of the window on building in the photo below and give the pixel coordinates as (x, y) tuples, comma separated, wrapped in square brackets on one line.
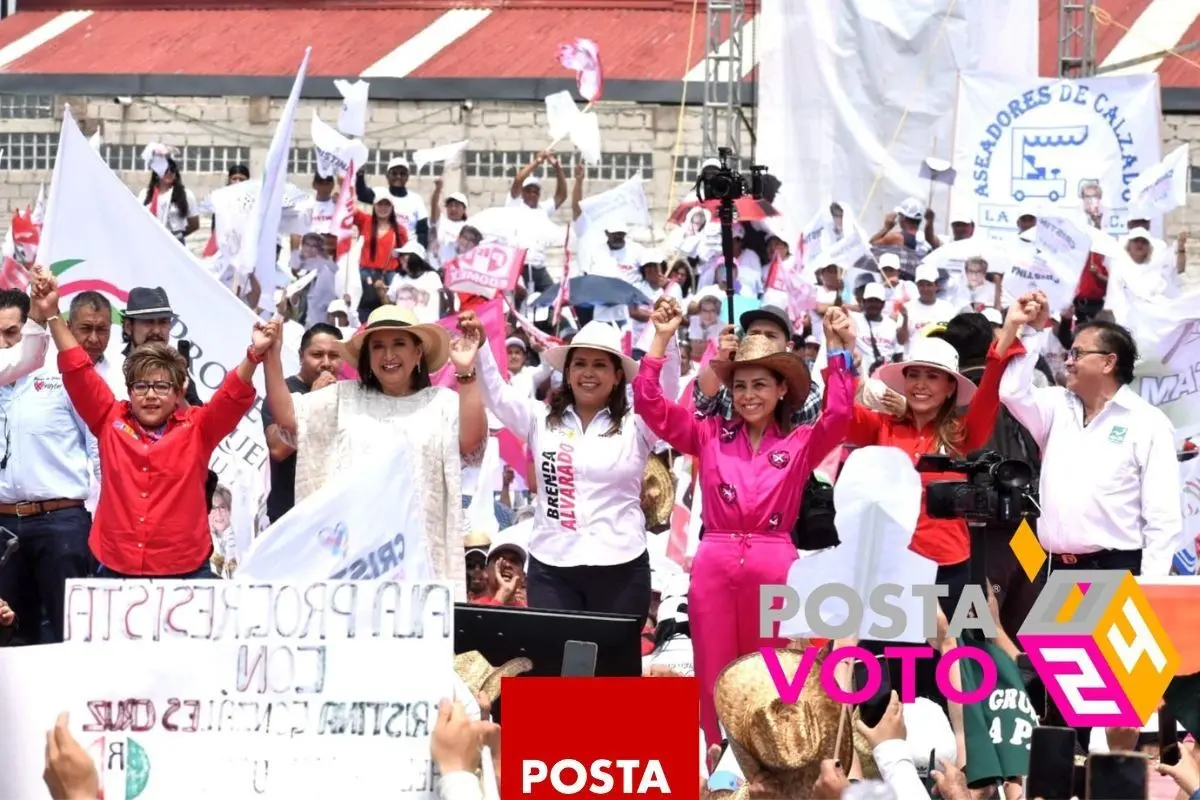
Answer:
[(122, 157), (503, 164), (28, 152), (1194, 180), (212, 159), (26, 106)]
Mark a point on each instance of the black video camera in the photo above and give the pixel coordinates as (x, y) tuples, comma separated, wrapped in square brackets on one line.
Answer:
[(997, 489), (725, 184)]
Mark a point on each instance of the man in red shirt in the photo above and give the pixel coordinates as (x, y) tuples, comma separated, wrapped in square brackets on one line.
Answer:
[(505, 576), (152, 518)]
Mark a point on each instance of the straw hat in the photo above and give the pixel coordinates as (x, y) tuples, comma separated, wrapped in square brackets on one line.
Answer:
[(477, 539), (759, 351), (481, 676), (928, 352), (594, 336), (658, 493), (435, 340), (779, 745)]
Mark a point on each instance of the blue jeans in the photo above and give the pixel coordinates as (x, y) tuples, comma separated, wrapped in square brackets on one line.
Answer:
[(52, 548), (204, 573)]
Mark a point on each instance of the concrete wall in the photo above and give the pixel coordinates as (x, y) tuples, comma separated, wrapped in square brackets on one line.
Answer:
[(216, 132)]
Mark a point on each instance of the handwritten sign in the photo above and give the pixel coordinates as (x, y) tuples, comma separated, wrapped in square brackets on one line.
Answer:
[(486, 270), (1060, 252), (278, 689)]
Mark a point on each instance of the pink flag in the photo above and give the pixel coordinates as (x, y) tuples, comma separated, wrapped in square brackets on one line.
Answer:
[(491, 315), (343, 215), (583, 56)]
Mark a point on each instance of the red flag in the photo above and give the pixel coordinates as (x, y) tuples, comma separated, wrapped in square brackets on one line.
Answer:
[(343, 215), (14, 275), (210, 247)]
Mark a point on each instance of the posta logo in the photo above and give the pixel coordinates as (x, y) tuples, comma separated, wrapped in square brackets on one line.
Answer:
[(629, 737), (68, 288), (1099, 648)]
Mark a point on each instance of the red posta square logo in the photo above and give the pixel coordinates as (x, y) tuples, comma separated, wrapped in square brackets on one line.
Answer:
[(606, 737)]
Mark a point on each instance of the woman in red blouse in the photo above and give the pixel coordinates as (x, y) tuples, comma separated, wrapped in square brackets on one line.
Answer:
[(930, 424)]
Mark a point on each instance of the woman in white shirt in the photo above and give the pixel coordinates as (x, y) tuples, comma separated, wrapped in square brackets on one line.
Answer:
[(446, 226), (171, 203), (416, 285), (587, 551)]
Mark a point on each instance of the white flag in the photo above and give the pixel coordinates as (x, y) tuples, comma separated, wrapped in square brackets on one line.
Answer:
[(585, 133), (334, 152), (561, 114), (450, 154), (1162, 188), (1060, 252), (257, 255), (352, 120), (96, 141), (625, 203), (333, 534)]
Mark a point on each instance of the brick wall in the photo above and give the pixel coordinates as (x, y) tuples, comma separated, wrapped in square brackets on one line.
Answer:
[(216, 132)]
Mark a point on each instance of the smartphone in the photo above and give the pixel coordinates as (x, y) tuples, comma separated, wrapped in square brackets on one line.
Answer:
[(871, 711), (1117, 776), (185, 349), (1169, 752), (1051, 763), (579, 659)]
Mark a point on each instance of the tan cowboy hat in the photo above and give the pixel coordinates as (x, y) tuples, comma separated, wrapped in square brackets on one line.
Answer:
[(778, 745), (928, 352), (658, 493), (477, 539), (594, 336), (481, 676), (435, 340), (759, 351)]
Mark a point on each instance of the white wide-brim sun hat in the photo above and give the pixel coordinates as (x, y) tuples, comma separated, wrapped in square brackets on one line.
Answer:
[(593, 336), (928, 352)]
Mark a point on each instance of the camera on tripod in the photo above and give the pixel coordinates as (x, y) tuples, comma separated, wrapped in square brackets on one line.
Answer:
[(997, 489), (722, 183)]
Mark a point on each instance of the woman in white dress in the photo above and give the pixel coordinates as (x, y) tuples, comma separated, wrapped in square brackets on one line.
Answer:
[(342, 427)]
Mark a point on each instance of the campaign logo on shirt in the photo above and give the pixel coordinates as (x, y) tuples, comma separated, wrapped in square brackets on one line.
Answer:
[(50, 383), (1117, 434), (640, 740), (779, 459), (127, 429)]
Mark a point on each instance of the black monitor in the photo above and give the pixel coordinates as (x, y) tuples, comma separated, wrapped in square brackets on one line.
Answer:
[(504, 632)]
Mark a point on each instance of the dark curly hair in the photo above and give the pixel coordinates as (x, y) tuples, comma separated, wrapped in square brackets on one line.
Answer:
[(562, 397)]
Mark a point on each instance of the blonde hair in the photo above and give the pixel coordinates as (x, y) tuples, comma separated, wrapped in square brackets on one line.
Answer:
[(155, 357), (948, 430)]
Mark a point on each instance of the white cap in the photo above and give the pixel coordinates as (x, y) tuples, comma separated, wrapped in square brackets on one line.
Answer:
[(874, 291), (532, 180), (964, 218), (382, 195), (457, 197), (412, 247), (337, 306), (927, 272), (993, 316), (911, 207), (651, 255), (514, 341), (1138, 233), (889, 261), (398, 161), (616, 227), (710, 162), (810, 339)]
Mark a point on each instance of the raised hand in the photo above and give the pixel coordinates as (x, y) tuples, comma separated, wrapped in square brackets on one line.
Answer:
[(437, 182), (324, 379), (43, 292), (263, 337), (1022, 311), (70, 771), (463, 352), (843, 328), (1043, 312), (666, 318), (727, 344), (470, 327)]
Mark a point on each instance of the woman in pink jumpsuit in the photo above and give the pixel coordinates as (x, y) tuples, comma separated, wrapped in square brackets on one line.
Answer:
[(752, 471)]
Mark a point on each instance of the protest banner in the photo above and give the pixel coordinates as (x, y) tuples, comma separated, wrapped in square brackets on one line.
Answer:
[(1061, 251), (625, 203), (334, 153), (200, 689), (485, 270), (1163, 187), (91, 221), (1167, 333), (1023, 143), (332, 534)]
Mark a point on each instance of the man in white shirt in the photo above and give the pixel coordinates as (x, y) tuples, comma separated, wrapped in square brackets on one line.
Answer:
[(750, 275), (654, 284), (319, 211), (44, 483), (879, 338), (1110, 487), (526, 194), (614, 258), (926, 309), (90, 321)]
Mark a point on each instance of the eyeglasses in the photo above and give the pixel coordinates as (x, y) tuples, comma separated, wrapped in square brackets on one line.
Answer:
[(142, 388), (1075, 353)]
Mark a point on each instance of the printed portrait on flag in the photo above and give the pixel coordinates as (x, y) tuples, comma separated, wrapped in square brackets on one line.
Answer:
[(1025, 143)]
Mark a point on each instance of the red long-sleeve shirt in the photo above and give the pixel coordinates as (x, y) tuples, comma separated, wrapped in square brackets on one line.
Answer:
[(152, 518), (384, 244), (945, 541)]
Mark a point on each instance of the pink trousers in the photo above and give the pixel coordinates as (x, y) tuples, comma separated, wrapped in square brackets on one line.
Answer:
[(723, 604)]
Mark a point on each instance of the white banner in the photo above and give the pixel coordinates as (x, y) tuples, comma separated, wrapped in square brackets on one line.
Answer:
[(1036, 144), (561, 114), (352, 119), (334, 152), (1162, 188), (332, 534), (98, 237), (625, 203), (274, 690), (450, 154), (1061, 251)]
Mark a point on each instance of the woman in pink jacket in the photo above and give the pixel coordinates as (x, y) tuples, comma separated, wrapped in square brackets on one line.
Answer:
[(752, 471)]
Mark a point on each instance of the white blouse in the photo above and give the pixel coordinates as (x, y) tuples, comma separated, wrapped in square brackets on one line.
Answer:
[(589, 488)]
